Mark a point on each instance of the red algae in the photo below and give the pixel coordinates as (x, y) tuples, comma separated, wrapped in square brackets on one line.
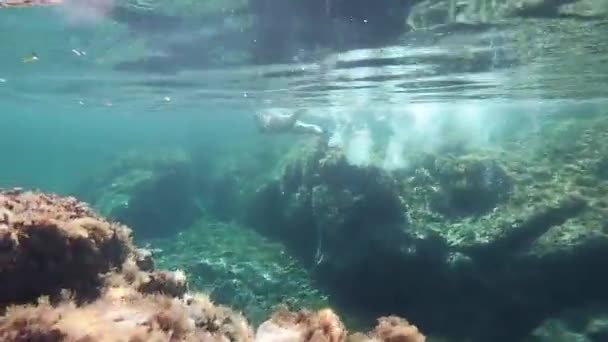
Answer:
[(325, 326), (68, 275), (122, 314), (49, 243)]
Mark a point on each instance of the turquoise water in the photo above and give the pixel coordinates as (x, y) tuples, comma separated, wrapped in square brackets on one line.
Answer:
[(440, 138)]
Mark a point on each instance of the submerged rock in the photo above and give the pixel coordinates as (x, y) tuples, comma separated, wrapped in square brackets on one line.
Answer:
[(143, 259), (468, 187), (589, 324), (154, 193), (324, 325), (115, 299), (453, 242), (161, 205), (321, 199), (50, 243), (125, 315)]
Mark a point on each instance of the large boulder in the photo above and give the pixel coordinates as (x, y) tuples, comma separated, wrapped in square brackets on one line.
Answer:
[(455, 241), (154, 193), (52, 245), (49, 244), (588, 323), (69, 275)]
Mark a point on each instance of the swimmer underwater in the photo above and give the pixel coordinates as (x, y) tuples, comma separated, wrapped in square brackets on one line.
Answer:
[(284, 122)]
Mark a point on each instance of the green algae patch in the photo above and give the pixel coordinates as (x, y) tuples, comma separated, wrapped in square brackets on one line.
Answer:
[(239, 268)]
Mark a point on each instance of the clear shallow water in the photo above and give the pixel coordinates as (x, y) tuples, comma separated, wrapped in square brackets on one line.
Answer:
[(112, 84), (105, 87)]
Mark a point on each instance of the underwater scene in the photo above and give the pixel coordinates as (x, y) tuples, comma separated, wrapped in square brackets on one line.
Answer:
[(304, 170)]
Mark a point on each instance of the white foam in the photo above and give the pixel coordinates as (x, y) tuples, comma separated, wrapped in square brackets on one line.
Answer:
[(359, 149)]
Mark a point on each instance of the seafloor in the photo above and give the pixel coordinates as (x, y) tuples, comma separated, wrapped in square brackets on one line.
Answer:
[(505, 243), (68, 274)]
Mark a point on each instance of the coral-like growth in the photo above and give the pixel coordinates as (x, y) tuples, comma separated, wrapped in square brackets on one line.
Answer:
[(168, 283), (303, 326), (123, 314), (49, 243), (395, 329), (468, 186), (92, 285), (143, 259), (325, 326)]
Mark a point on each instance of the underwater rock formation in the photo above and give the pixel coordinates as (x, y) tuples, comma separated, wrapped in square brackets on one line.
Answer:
[(452, 242), (324, 325), (51, 244), (161, 205), (325, 192), (153, 193), (589, 323), (123, 314), (468, 187), (161, 192), (87, 268), (49, 241)]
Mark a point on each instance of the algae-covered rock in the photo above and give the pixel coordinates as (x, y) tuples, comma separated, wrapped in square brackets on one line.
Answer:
[(69, 275), (588, 323), (162, 205), (50, 243), (152, 192), (124, 315), (321, 198), (113, 187), (468, 186), (454, 241)]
